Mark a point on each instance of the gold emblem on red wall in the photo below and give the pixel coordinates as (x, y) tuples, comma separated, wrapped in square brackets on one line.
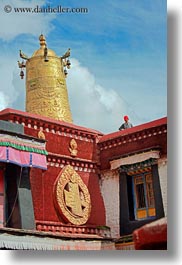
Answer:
[(73, 147), (41, 135), (72, 198)]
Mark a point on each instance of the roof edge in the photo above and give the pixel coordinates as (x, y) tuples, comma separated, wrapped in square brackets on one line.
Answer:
[(29, 115), (135, 129)]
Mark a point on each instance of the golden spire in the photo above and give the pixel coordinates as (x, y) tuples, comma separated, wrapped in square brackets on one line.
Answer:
[(46, 91), (42, 40)]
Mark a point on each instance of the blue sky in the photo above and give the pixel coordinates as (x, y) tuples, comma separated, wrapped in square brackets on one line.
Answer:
[(118, 55)]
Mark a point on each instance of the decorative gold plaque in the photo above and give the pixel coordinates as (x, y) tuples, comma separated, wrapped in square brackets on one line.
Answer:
[(41, 135), (73, 147), (72, 198)]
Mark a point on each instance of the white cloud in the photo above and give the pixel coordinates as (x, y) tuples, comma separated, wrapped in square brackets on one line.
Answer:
[(16, 23), (9, 72), (3, 103), (93, 105)]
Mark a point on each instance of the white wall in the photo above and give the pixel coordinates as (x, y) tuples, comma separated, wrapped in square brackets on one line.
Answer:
[(109, 185), (162, 168)]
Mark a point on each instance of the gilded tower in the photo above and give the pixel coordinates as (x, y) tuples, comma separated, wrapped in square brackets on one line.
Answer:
[(46, 91)]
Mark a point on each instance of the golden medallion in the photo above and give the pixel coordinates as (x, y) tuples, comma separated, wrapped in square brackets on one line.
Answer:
[(71, 196)]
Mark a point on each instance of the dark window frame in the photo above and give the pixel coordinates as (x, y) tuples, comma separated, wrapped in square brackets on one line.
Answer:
[(141, 199)]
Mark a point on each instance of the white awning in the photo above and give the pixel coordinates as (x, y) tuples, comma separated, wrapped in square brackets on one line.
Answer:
[(35, 242), (133, 159)]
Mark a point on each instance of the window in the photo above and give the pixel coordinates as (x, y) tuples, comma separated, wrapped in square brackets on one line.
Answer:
[(143, 196), (140, 195)]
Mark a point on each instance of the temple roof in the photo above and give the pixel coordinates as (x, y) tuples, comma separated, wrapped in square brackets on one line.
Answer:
[(22, 150), (36, 117), (135, 129)]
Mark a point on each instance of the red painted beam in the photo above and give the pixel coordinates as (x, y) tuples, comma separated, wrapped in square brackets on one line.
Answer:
[(152, 236)]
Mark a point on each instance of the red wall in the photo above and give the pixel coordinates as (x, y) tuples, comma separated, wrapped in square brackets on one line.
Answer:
[(59, 144), (42, 189), (121, 143), (42, 182)]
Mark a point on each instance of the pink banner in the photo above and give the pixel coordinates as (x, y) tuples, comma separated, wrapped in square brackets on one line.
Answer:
[(22, 158), (2, 153)]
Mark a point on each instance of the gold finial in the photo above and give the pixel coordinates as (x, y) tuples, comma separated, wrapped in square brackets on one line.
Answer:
[(42, 40)]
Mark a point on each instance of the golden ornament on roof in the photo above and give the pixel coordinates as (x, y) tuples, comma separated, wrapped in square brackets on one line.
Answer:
[(46, 90)]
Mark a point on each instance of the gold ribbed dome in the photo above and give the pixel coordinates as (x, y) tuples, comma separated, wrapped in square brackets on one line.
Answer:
[(40, 52), (46, 90)]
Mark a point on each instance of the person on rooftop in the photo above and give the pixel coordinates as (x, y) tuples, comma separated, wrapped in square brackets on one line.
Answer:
[(126, 124)]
